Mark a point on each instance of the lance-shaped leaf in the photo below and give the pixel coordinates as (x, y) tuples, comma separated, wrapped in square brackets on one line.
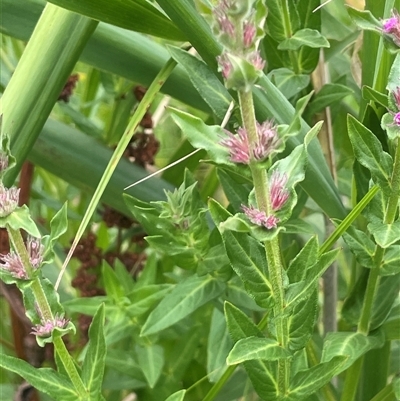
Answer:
[(307, 382), (361, 245), (256, 348), (204, 80), (385, 234), (218, 346), (299, 291), (368, 151), (301, 322), (21, 218), (349, 344), (304, 37), (263, 374), (248, 260), (188, 295), (391, 261), (46, 380), (202, 136), (95, 357), (151, 361), (178, 396)]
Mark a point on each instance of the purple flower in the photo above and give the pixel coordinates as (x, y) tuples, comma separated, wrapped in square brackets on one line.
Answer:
[(257, 61), (249, 33), (391, 26), (225, 66), (267, 140), (277, 191), (13, 264), (35, 251), (238, 146), (396, 95), (396, 119), (9, 198), (260, 218), (46, 326), (3, 161)]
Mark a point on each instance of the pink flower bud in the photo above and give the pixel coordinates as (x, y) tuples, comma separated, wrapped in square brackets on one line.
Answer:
[(238, 146), (35, 250), (13, 264), (391, 26), (260, 218), (9, 198), (46, 326), (277, 191), (249, 33), (225, 66)]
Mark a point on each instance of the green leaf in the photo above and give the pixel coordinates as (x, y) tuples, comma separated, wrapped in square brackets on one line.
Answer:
[(114, 288), (385, 234), (307, 382), (21, 218), (391, 128), (255, 348), (302, 321), (351, 345), (391, 327), (361, 245), (143, 298), (218, 346), (248, 260), (365, 20), (393, 82), (202, 136), (289, 83), (327, 96), (299, 291), (185, 298), (373, 95), (263, 374), (138, 15), (95, 357), (178, 396), (304, 37), (204, 80), (306, 258), (46, 380), (368, 151), (151, 361), (86, 306), (58, 226), (391, 261)]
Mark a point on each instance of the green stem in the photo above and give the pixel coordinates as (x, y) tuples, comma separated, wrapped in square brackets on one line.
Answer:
[(288, 33), (45, 310), (272, 247), (353, 373), (217, 387)]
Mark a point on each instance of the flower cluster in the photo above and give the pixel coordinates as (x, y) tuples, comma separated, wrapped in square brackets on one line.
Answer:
[(3, 161), (13, 263), (278, 195), (237, 26), (9, 198), (239, 147), (396, 116), (46, 326), (391, 27)]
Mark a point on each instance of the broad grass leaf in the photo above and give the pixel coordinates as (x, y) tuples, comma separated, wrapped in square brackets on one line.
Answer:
[(95, 357), (188, 295), (138, 15)]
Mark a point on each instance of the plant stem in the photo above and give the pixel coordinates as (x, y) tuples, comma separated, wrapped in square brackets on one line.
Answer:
[(45, 310), (216, 388), (353, 373), (272, 247)]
